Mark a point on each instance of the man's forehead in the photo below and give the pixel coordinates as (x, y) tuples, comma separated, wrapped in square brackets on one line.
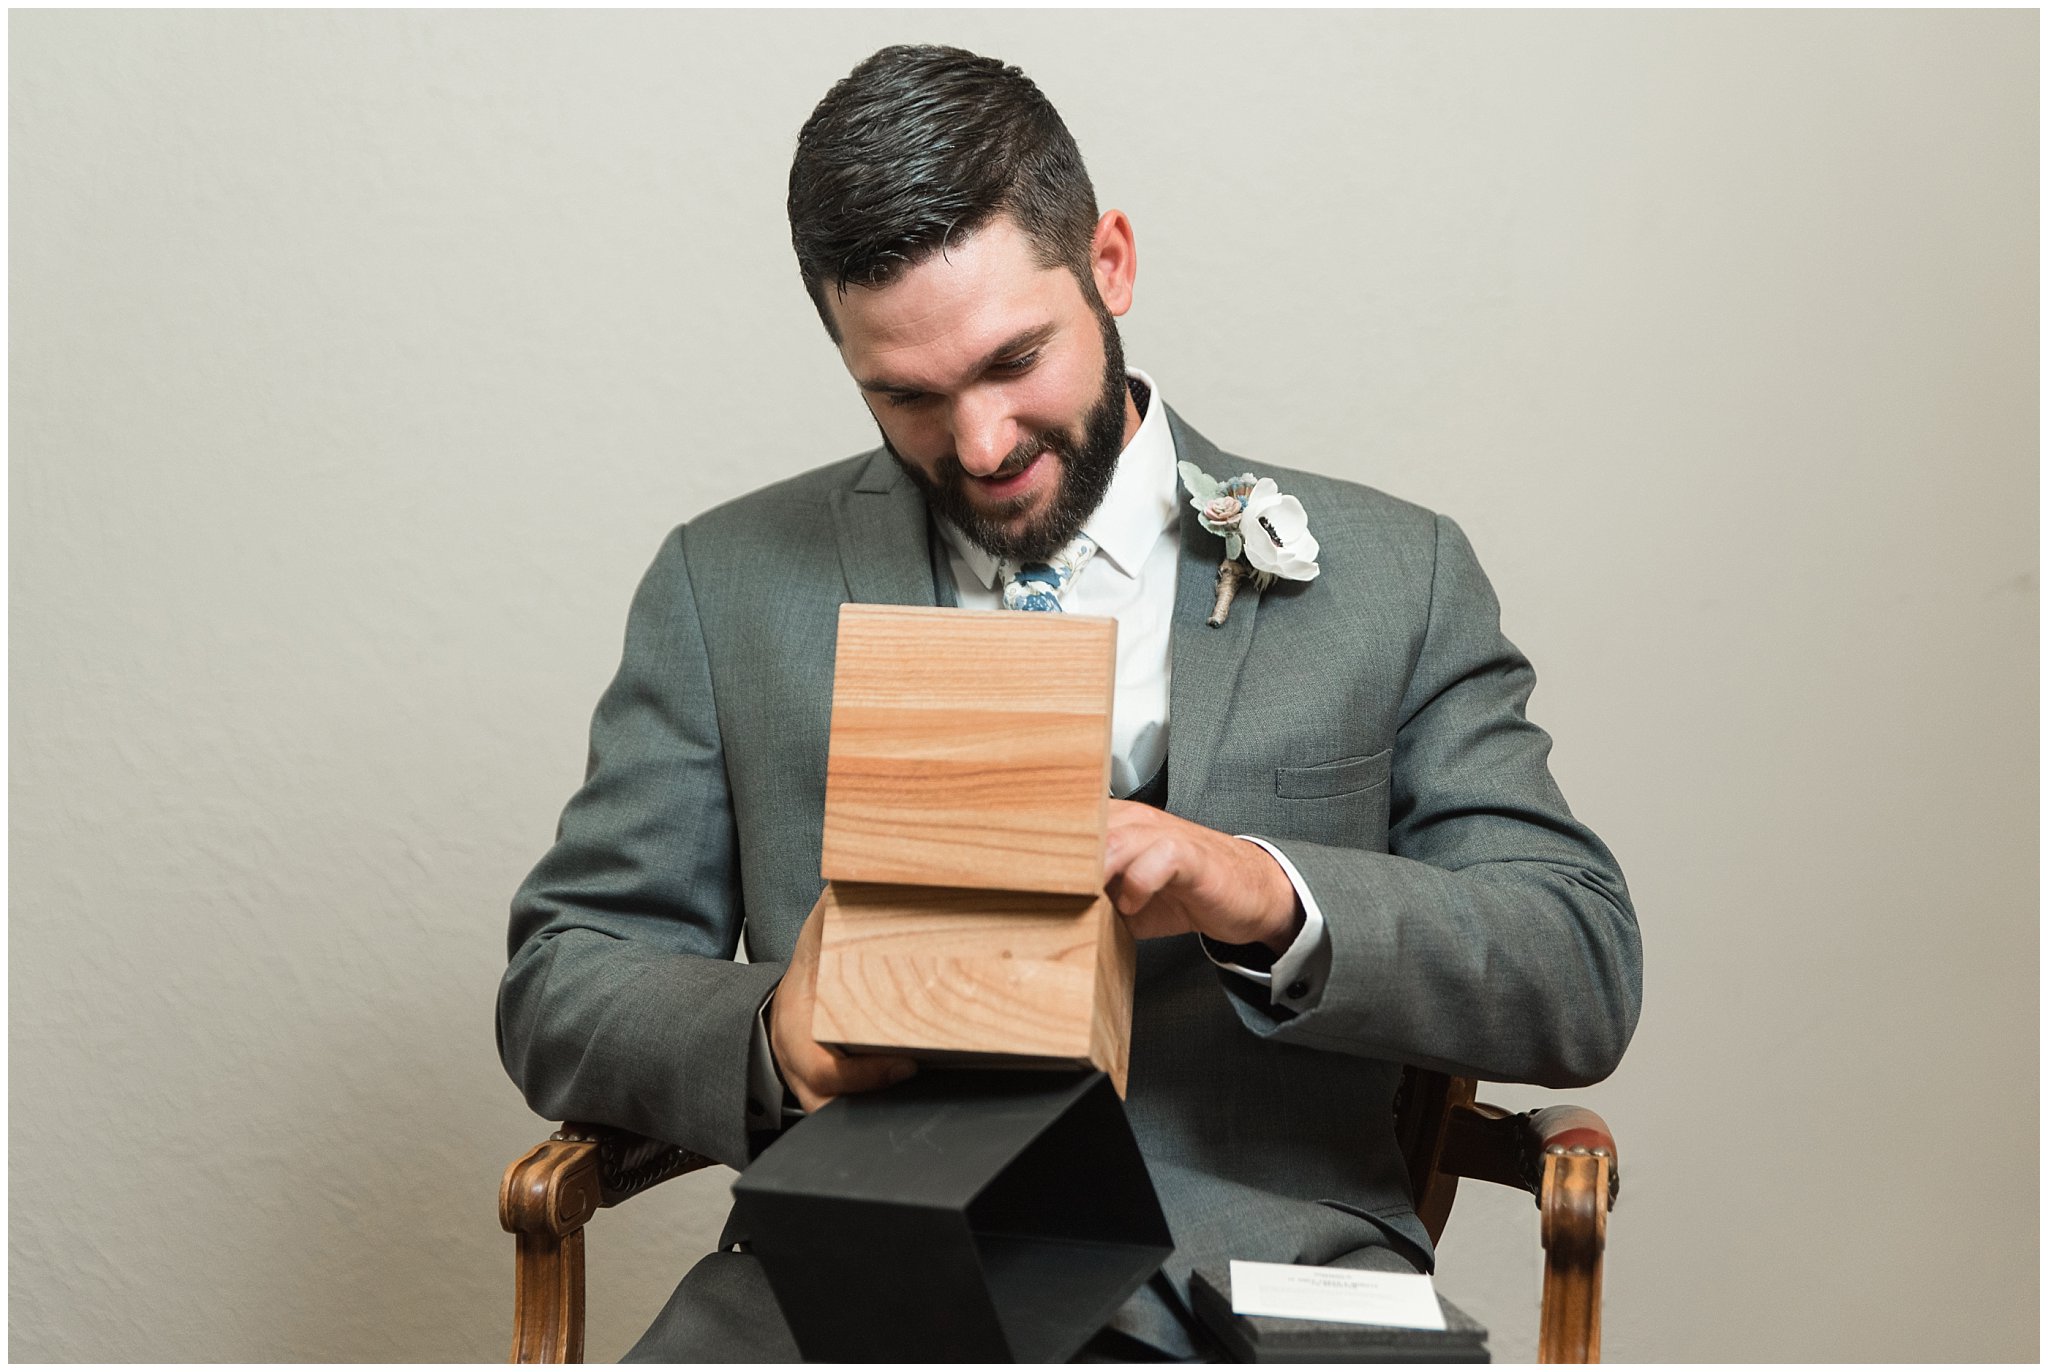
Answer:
[(958, 302)]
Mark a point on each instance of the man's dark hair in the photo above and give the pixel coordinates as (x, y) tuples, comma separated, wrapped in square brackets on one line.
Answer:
[(921, 146)]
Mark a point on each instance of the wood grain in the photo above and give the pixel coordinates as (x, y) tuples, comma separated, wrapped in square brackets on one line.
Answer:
[(544, 1200), (1116, 982), (999, 977), (969, 749), (1563, 1154), (1574, 1203)]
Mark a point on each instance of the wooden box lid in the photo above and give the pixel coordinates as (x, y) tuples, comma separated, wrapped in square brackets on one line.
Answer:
[(970, 749)]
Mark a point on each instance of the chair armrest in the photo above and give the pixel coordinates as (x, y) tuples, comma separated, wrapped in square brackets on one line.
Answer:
[(629, 1163), (1564, 1156), (544, 1200), (1580, 1180), (557, 1186), (552, 1189), (1487, 1143)]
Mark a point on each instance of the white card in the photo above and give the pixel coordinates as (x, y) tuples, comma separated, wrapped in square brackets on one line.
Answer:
[(1403, 1299)]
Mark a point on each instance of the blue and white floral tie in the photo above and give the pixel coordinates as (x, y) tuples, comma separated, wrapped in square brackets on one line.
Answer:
[(1039, 585)]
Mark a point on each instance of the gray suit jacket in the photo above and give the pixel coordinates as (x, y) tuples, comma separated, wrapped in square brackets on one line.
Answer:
[(1369, 723)]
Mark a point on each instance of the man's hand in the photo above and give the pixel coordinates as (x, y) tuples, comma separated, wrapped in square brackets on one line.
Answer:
[(1167, 876), (812, 1071)]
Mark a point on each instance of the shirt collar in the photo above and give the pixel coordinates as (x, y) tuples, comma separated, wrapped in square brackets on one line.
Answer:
[(1142, 500)]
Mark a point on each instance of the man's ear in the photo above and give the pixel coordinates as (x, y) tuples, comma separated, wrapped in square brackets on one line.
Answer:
[(1113, 260)]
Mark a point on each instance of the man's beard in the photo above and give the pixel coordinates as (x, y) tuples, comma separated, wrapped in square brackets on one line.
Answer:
[(1086, 467)]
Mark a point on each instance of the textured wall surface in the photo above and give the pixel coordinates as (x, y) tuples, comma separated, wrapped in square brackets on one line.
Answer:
[(360, 360)]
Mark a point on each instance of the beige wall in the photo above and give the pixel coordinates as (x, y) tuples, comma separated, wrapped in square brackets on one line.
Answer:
[(360, 360)]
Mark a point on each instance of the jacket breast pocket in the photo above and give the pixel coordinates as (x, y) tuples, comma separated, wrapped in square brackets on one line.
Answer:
[(1341, 803), (1344, 777)]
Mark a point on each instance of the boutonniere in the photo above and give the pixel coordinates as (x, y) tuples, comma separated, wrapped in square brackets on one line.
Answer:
[(1265, 534)]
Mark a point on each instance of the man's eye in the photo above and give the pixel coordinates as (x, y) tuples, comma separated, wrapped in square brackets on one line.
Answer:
[(897, 400), (1022, 363)]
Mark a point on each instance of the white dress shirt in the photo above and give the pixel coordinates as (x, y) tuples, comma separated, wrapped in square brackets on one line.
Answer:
[(1132, 578), (1129, 579)]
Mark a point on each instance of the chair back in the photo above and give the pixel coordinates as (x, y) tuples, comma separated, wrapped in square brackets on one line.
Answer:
[(1422, 1116)]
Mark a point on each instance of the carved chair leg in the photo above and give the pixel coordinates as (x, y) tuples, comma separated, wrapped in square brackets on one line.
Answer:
[(1574, 1202), (547, 1320)]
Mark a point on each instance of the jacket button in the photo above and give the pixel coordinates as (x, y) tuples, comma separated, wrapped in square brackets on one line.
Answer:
[(1297, 990), (755, 1108)]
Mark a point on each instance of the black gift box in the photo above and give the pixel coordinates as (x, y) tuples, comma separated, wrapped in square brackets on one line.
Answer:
[(973, 1216)]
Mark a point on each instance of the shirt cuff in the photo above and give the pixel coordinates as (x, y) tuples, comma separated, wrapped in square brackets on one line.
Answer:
[(1290, 977), (769, 1103)]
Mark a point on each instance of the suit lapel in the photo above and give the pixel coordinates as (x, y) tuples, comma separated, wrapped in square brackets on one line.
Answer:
[(1206, 661), (884, 538)]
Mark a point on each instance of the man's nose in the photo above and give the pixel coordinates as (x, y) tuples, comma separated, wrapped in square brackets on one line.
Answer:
[(983, 434)]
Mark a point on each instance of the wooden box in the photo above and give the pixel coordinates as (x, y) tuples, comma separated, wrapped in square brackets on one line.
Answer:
[(966, 803), (970, 749), (950, 975)]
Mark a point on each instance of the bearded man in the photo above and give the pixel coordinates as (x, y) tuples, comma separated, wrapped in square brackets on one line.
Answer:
[(1333, 870)]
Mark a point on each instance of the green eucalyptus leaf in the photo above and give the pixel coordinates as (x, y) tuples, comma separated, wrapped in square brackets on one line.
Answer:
[(1200, 484), (1233, 546)]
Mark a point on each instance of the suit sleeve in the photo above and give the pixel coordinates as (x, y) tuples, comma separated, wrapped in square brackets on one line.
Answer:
[(1495, 938), (621, 1003)]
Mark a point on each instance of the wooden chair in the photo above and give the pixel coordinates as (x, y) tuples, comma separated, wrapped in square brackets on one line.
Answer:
[(1564, 1156)]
